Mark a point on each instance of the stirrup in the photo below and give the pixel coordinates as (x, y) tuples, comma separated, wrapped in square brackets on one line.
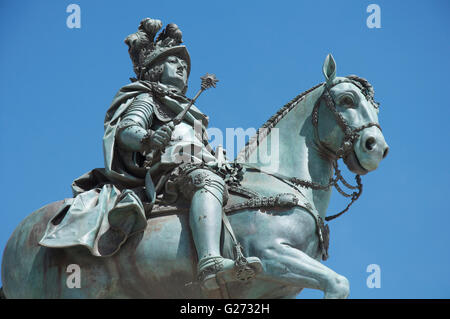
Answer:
[(216, 272), (247, 268)]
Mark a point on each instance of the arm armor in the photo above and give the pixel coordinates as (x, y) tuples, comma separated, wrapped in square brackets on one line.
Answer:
[(135, 124)]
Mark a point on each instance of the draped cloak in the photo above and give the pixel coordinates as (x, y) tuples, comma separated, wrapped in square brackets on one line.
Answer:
[(109, 203)]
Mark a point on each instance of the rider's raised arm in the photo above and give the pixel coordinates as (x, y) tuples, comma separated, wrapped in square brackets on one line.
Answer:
[(135, 124)]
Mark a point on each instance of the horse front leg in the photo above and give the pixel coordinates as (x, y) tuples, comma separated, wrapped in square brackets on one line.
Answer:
[(288, 265)]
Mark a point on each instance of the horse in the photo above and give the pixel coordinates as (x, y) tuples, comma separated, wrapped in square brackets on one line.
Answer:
[(336, 119)]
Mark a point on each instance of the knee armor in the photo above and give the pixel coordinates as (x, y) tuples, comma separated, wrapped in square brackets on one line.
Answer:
[(204, 180)]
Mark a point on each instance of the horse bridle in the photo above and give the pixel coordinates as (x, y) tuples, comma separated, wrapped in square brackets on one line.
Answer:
[(350, 133)]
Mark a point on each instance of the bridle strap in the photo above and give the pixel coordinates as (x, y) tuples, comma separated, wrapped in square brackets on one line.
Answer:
[(350, 136), (350, 133)]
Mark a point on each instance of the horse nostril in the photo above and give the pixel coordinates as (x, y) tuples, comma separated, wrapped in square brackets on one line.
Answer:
[(386, 151), (370, 143)]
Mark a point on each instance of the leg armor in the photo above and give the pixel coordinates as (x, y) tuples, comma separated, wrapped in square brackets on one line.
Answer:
[(207, 193)]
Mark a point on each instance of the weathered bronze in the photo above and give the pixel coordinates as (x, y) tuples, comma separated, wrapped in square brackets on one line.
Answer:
[(169, 217)]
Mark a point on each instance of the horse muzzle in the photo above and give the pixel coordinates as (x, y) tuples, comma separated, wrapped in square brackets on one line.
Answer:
[(368, 151)]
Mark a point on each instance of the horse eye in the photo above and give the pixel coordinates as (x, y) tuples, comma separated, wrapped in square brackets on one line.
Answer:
[(346, 101)]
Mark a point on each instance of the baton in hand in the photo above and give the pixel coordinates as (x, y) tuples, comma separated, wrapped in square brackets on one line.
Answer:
[(208, 81)]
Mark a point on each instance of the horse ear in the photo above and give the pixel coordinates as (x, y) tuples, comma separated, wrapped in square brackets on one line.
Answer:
[(329, 68)]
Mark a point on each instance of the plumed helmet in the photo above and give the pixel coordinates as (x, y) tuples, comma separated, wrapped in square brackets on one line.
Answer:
[(145, 51)]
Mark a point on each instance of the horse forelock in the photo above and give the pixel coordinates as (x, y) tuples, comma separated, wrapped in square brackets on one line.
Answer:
[(365, 87)]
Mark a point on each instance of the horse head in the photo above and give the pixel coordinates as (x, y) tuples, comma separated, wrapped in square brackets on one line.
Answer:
[(357, 137)]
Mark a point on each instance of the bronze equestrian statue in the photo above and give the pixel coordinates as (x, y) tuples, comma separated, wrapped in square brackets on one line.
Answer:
[(169, 217)]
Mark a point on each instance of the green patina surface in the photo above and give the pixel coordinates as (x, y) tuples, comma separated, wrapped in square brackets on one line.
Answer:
[(125, 249)]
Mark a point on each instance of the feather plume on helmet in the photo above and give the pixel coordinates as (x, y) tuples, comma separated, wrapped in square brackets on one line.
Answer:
[(145, 51)]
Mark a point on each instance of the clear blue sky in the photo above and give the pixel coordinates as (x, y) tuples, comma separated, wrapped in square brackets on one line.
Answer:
[(56, 84)]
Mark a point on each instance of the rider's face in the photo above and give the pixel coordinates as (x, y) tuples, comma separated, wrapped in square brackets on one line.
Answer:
[(174, 72)]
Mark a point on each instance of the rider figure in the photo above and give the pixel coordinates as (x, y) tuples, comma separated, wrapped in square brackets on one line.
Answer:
[(145, 126)]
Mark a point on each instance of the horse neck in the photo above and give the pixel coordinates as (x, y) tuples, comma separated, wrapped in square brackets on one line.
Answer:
[(293, 152)]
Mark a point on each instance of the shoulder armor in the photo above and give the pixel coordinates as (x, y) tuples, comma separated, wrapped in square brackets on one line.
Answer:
[(162, 112)]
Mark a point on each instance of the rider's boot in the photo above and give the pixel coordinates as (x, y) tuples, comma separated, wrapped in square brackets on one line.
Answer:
[(206, 224)]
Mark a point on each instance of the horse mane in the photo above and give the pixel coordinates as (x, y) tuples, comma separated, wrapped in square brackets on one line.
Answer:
[(265, 129)]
